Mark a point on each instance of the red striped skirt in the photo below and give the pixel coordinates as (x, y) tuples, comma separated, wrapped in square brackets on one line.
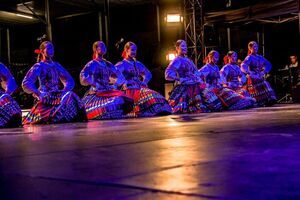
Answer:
[(56, 107), (112, 104), (10, 112)]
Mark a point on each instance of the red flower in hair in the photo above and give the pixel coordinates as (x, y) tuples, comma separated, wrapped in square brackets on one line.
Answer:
[(205, 60), (226, 59), (37, 51), (123, 54)]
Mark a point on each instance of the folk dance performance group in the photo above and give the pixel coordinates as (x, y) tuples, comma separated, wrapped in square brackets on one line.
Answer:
[(121, 90)]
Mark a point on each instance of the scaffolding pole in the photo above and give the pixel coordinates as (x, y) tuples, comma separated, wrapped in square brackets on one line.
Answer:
[(8, 45), (107, 21), (48, 21), (194, 29), (100, 26)]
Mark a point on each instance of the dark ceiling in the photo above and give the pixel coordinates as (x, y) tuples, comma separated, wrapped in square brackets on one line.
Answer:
[(10, 10), (64, 8)]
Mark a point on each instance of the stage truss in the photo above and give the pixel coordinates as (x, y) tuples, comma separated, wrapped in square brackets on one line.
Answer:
[(194, 29)]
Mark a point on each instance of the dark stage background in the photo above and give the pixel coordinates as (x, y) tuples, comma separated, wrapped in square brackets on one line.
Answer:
[(73, 38)]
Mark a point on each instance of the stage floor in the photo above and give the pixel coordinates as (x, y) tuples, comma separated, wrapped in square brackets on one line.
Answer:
[(251, 154)]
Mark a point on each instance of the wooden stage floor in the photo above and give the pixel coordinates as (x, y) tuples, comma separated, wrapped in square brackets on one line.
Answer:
[(241, 155)]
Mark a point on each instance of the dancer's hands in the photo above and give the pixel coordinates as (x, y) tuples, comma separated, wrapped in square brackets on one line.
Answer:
[(41, 96), (257, 75), (203, 86), (143, 84), (183, 80), (186, 81)]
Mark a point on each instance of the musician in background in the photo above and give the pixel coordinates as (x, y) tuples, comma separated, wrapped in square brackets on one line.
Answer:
[(295, 70), (294, 62)]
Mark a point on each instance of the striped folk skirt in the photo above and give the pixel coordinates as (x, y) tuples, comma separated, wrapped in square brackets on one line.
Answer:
[(231, 100), (112, 104), (241, 91), (10, 112), (147, 103), (56, 107), (187, 99), (211, 100), (261, 90)]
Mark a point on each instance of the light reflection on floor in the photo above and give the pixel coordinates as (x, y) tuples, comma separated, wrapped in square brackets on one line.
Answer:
[(251, 154)]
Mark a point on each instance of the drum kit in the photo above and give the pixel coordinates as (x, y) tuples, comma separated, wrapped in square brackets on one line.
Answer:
[(286, 80)]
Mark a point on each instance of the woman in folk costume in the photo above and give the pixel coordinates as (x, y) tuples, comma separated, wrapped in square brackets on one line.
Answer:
[(187, 95), (256, 67), (146, 101), (54, 104), (232, 76), (211, 75), (103, 100), (10, 112)]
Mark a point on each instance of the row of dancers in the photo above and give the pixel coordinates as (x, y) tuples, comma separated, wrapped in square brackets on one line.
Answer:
[(121, 90)]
